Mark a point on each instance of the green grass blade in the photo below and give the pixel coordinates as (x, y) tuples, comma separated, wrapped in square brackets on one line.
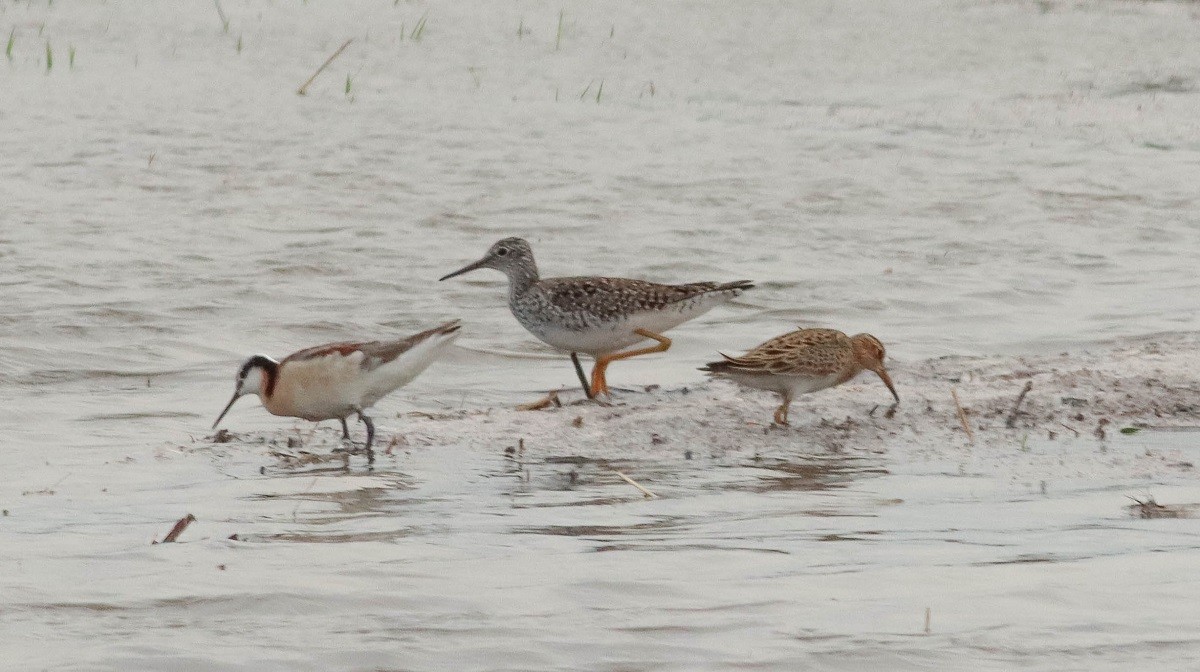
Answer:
[(419, 29)]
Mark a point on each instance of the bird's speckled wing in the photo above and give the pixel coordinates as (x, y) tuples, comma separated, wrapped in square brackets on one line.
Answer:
[(375, 353), (619, 296), (806, 352)]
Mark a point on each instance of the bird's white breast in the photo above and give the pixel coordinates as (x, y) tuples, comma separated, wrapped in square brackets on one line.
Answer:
[(603, 337)]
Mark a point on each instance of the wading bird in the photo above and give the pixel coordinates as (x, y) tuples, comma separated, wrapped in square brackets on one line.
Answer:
[(337, 380), (804, 361), (594, 315)]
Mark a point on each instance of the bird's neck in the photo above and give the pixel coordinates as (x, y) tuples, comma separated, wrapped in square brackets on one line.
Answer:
[(270, 377), (521, 278)]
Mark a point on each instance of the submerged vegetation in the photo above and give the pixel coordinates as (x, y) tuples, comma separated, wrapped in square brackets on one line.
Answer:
[(419, 29)]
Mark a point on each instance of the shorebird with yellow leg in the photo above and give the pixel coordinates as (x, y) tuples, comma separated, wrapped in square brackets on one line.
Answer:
[(594, 315), (337, 380), (804, 361)]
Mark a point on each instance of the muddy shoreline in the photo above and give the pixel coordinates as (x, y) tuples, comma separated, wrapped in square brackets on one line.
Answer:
[(1087, 398)]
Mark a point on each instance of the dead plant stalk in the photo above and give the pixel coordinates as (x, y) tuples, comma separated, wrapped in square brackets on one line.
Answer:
[(647, 493), (303, 90), (962, 416), (1011, 422)]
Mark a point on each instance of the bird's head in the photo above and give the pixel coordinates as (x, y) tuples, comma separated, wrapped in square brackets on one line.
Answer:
[(506, 256), (870, 354), (256, 376)]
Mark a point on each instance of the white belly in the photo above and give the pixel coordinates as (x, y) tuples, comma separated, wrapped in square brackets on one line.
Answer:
[(609, 337)]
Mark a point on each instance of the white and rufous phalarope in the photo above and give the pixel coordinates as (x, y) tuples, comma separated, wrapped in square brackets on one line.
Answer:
[(337, 380), (593, 315), (804, 361)]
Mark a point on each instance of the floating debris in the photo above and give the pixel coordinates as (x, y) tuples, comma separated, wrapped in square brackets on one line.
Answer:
[(1148, 508)]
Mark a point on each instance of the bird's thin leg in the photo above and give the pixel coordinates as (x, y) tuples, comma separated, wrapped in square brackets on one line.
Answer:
[(603, 361), (781, 413), (366, 420), (582, 377), (599, 385), (345, 429)]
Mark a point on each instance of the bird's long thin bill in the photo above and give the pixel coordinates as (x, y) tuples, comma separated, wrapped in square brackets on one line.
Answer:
[(465, 269), (227, 407), (887, 380)]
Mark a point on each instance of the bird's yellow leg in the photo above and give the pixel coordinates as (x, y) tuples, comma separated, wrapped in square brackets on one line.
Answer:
[(599, 383), (603, 361), (779, 419), (781, 413)]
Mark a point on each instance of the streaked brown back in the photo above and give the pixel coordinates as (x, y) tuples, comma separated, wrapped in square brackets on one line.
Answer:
[(805, 352)]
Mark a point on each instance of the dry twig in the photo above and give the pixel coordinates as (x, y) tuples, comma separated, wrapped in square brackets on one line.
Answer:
[(551, 399), (962, 417), (1012, 415), (303, 90), (647, 493), (180, 526)]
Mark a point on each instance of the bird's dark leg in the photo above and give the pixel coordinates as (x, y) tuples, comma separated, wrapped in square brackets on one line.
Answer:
[(345, 429), (366, 420), (587, 388)]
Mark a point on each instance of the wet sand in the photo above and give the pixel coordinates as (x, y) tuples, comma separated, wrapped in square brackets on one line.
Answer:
[(1131, 386)]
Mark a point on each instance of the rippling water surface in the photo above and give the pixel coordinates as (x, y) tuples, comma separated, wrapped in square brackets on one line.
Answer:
[(955, 177)]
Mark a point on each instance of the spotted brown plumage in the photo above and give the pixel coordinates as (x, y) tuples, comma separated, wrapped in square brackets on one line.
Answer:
[(803, 361), (598, 316)]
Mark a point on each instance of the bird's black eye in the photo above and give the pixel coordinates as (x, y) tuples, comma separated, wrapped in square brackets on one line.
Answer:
[(501, 252)]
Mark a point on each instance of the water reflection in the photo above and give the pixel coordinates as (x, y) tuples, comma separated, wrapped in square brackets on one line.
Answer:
[(805, 473)]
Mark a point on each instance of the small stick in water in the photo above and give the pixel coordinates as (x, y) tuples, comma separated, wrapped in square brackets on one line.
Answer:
[(303, 90), (647, 493), (180, 526), (1012, 415), (962, 416), (927, 614)]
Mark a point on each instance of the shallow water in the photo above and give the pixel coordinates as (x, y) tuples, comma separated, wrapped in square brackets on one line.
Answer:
[(956, 178), (453, 558)]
